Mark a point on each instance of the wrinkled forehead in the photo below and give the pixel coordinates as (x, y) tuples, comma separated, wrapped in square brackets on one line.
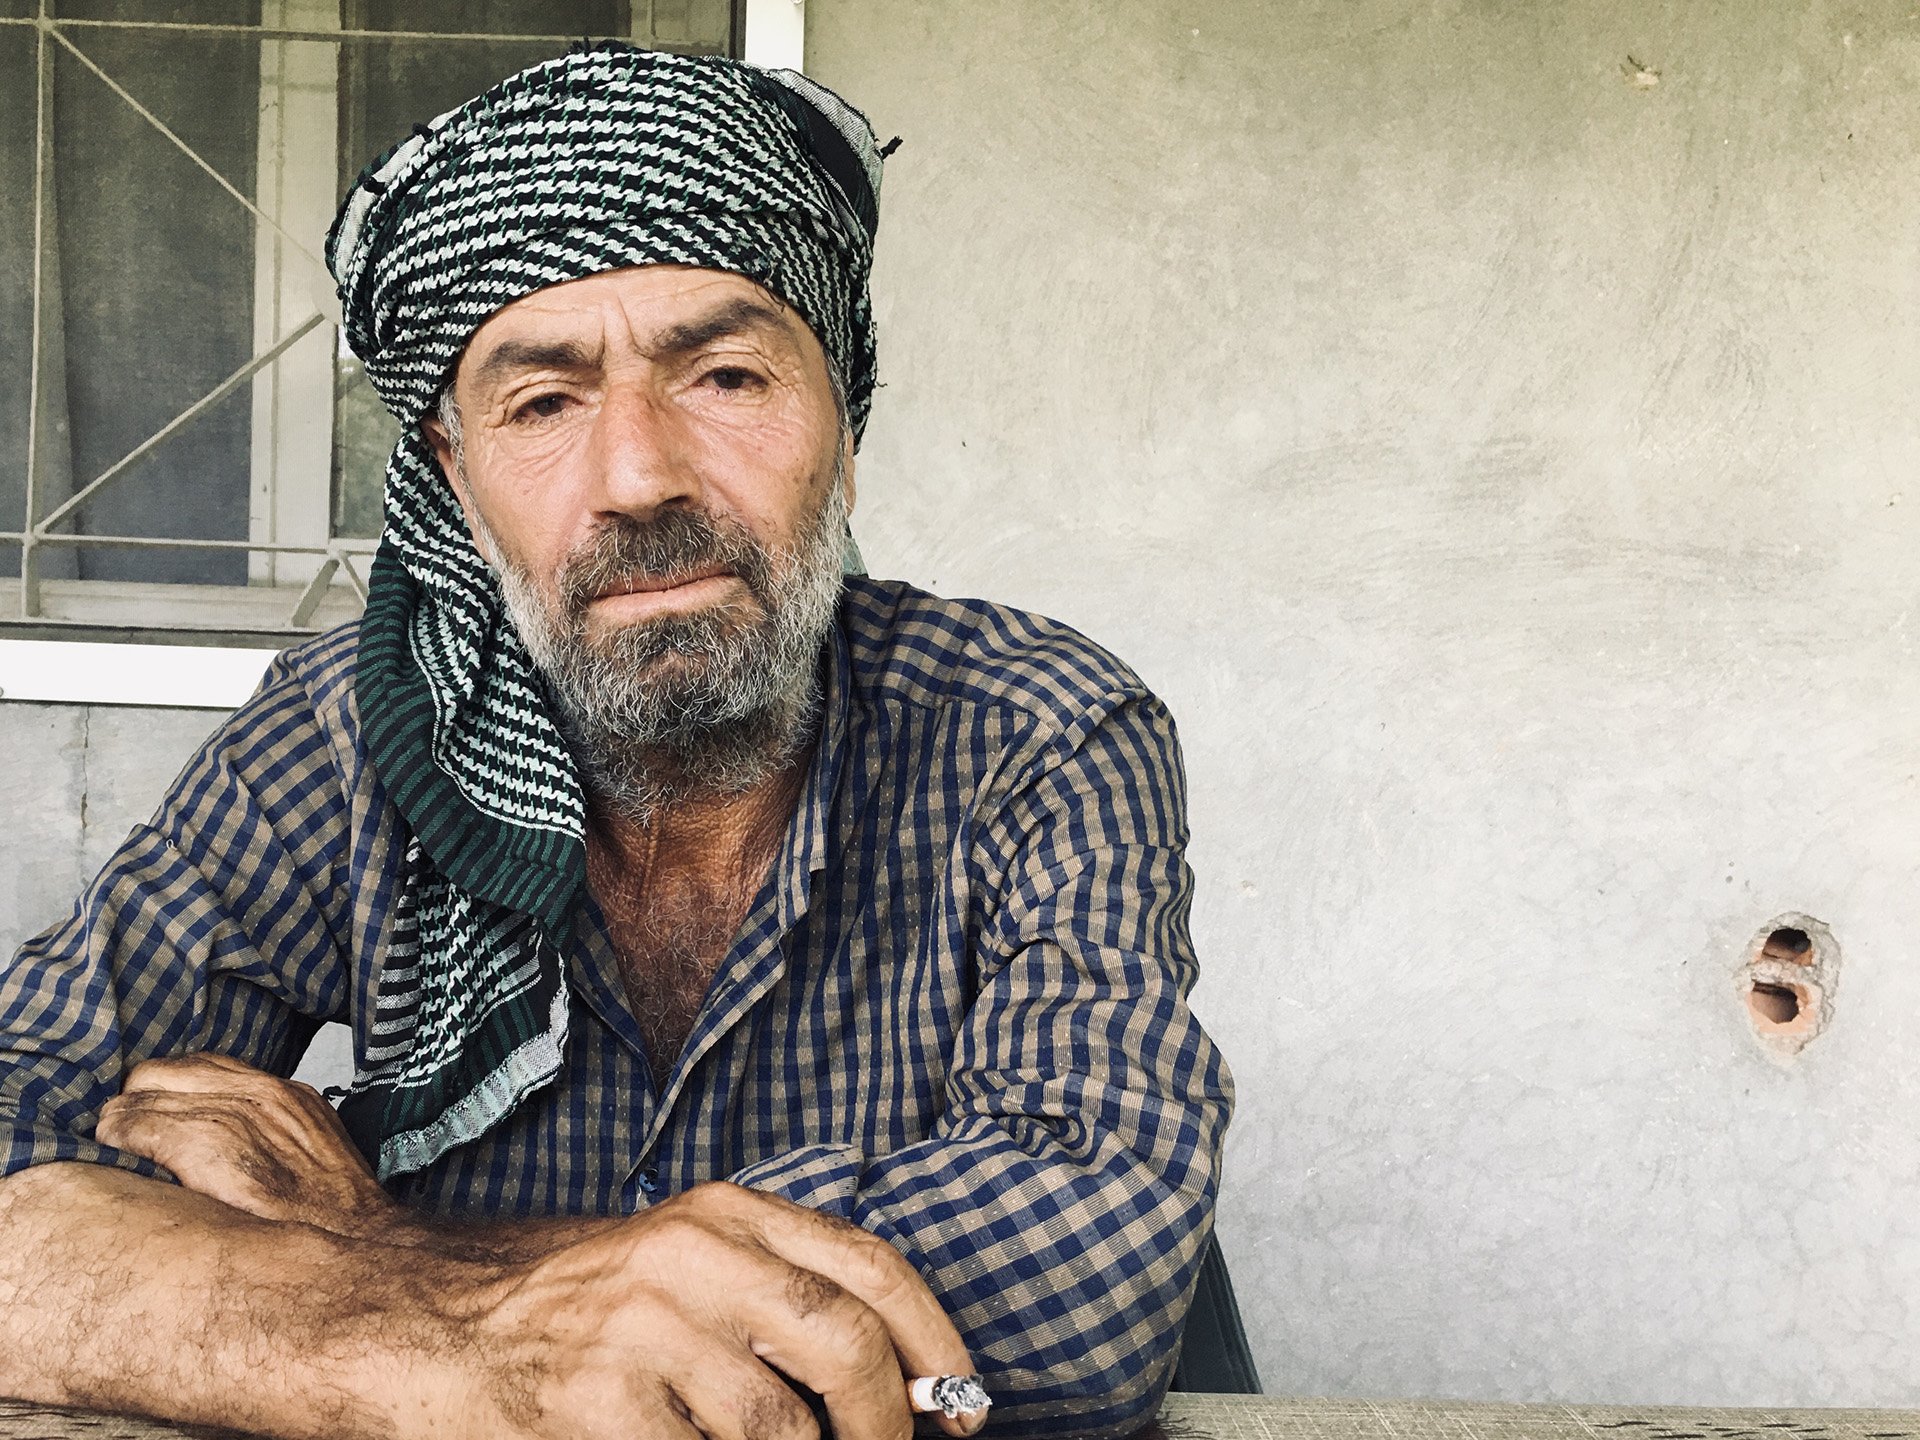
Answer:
[(658, 313)]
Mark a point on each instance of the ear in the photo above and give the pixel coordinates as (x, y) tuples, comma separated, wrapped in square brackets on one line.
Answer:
[(441, 444), (847, 466)]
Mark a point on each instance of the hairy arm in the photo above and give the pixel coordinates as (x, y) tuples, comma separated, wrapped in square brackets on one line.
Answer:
[(123, 1293), (126, 1294)]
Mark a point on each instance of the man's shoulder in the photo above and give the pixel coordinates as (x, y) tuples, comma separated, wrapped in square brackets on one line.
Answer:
[(908, 646), (290, 743), (317, 673), (304, 701)]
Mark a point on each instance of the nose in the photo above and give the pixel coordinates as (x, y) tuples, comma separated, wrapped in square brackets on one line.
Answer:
[(641, 461)]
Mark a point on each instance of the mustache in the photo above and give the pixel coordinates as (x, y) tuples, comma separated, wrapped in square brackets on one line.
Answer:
[(669, 548)]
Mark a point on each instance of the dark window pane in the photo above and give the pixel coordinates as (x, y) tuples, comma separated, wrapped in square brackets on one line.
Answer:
[(148, 266), (364, 434), (172, 12), (389, 86), (155, 274)]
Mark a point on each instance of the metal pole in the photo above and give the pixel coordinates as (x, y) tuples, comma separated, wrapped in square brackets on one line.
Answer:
[(331, 547), (42, 123), (278, 32)]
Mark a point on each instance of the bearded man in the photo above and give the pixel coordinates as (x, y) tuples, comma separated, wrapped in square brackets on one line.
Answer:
[(763, 982)]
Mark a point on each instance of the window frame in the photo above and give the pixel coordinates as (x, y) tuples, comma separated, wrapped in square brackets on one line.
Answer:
[(98, 641)]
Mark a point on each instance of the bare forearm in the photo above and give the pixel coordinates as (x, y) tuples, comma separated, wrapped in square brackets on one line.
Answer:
[(518, 1241), (281, 1290), (127, 1294)]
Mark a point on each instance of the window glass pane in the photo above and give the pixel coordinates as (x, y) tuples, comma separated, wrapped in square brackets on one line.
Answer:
[(389, 86), (156, 285), (152, 281), (364, 434), (171, 12)]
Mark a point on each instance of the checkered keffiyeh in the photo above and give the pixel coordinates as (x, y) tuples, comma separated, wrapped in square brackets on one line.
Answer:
[(607, 157)]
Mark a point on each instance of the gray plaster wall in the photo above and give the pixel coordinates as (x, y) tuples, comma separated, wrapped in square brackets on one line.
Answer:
[(1499, 453), (75, 780), (1491, 426)]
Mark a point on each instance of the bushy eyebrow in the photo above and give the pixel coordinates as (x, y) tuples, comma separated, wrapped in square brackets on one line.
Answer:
[(736, 317), (512, 355)]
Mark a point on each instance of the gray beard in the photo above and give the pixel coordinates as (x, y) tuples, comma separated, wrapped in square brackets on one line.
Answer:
[(699, 705)]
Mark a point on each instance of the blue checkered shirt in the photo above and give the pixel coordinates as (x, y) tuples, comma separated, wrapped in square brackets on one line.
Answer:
[(955, 1013)]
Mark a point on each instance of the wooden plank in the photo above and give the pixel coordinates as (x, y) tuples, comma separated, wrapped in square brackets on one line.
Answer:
[(1238, 1417), (1235, 1417)]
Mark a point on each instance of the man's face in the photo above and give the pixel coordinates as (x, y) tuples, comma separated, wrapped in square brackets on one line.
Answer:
[(653, 459)]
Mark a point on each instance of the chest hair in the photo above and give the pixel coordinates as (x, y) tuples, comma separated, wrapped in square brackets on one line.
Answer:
[(670, 929)]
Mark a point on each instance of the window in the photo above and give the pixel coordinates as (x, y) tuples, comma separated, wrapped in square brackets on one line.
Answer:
[(184, 442)]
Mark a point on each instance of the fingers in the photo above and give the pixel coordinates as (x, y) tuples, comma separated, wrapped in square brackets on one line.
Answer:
[(212, 1147), (851, 1319), (734, 1399), (206, 1072), (870, 1270), (271, 1147), (811, 1329), (222, 1076)]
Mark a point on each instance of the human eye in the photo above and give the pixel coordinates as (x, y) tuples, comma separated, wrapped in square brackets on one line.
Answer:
[(733, 379), (548, 405)]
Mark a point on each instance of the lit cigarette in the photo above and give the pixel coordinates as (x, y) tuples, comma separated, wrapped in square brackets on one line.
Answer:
[(948, 1395)]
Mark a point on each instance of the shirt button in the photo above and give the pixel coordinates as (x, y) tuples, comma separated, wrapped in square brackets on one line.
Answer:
[(650, 1180)]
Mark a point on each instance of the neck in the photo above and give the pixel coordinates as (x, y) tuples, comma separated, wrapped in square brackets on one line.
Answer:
[(712, 840)]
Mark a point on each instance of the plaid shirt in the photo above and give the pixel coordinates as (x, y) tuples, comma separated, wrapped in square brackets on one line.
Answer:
[(954, 1015)]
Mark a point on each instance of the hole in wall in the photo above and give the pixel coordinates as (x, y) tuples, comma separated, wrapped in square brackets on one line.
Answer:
[(1773, 1004), (1787, 980), (1789, 942)]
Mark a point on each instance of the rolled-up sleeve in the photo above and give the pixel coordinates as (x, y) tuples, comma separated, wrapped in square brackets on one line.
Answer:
[(1060, 1205), (165, 951)]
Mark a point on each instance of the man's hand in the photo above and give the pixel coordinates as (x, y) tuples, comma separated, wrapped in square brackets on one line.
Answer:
[(271, 1147), (686, 1319)]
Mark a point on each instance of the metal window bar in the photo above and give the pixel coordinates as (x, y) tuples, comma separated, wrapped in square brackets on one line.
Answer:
[(42, 141), (38, 532)]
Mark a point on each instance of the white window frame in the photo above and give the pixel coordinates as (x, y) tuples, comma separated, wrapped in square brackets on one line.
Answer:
[(292, 553)]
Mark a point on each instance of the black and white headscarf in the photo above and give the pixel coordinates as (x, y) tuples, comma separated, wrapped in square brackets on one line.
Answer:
[(607, 157)]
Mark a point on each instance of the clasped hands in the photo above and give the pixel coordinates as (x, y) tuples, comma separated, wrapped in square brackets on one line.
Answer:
[(681, 1320)]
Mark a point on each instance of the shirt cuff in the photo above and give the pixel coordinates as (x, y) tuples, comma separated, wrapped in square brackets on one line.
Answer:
[(29, 1145)]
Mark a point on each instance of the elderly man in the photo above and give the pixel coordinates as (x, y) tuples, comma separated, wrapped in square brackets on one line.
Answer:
[(763, 983)]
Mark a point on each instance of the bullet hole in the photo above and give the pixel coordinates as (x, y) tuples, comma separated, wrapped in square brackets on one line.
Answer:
[(1789, 943), (1786, 983), (1774, 1004)]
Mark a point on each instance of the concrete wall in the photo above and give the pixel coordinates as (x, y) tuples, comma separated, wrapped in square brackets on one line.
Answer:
[(75, 780), (1499, 454)]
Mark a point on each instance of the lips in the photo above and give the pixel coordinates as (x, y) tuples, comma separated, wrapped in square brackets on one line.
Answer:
[(651, 584)]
